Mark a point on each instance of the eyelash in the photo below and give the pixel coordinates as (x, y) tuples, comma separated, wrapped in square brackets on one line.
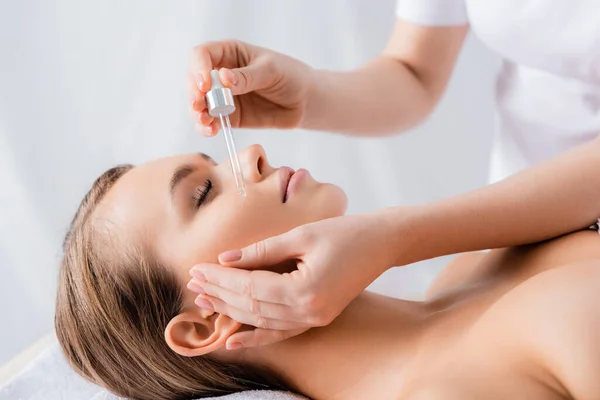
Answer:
[(202, 193)]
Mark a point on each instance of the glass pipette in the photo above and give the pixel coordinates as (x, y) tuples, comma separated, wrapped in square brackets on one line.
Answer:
[(220, 104)]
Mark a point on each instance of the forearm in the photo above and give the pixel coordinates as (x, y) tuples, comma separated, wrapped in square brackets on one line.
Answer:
[(392, 93), (554, 198), (382, 97)]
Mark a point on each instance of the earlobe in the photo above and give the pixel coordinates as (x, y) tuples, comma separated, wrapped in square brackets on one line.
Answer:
[(192, 334)]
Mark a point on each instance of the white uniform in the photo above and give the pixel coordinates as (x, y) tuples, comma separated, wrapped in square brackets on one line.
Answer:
[(548, 88)]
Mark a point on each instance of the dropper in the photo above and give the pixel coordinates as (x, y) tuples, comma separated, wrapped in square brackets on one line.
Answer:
[(220, 104)]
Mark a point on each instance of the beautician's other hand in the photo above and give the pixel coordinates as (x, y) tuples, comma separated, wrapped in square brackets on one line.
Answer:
[(337, 259), (270, 88)]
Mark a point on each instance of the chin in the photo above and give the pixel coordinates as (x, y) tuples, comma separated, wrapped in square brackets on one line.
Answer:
[(333, 201)]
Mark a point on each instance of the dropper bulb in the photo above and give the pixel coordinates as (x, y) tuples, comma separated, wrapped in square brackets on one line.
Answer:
[(215, 80)]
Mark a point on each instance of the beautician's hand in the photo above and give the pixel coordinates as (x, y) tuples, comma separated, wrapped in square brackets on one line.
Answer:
[(270, 88), (337, 259)]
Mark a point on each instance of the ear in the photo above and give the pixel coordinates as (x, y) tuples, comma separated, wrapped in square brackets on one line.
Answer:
[(195, 333)]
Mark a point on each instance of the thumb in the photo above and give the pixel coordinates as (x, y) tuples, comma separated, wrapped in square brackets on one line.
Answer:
[(260, 337), (268, 252), (247, 79)]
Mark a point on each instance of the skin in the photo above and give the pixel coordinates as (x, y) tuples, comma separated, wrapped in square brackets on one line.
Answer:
[(183, 235), (525, 315), (398, 90)]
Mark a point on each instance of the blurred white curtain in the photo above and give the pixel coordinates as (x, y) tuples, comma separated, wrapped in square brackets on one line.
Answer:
[(85, 85)]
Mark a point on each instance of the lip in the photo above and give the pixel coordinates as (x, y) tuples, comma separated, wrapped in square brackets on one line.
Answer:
[(295, 182), (285, 175)]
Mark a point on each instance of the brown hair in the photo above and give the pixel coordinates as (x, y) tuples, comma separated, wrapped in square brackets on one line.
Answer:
[(114, 302)]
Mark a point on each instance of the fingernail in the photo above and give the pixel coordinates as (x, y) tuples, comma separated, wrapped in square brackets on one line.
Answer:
[(233, 346), (230, 256), (192, 99), (199, 80), (195, 286), (197, 274), (232, 77), (203, 303), (198, 117), (208, 130)]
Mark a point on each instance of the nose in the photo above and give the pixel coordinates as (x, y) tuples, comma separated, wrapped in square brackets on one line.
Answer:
[(254, 163)]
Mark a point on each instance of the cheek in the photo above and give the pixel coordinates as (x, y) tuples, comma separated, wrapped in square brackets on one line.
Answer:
[(257, 221), (232, 225), (231, 228), (326, 201)]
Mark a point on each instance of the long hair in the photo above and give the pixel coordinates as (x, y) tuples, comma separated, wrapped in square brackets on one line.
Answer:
[(113, 304)]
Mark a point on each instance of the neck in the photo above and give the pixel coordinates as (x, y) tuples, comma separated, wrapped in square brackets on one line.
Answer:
[(359, 355)]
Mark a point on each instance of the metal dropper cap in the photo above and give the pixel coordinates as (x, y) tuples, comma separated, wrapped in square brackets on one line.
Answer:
[(219, 98)]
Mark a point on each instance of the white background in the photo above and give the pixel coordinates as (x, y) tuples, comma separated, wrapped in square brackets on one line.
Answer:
[(85, 85)]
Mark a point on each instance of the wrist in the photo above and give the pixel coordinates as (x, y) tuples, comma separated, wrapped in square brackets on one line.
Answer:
[(312, 101), (400, 230)]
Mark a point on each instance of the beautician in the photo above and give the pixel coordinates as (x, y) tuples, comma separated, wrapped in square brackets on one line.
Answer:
[(545, 161)]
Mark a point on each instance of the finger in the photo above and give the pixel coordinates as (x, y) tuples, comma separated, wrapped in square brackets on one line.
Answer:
[(214, 126), (198, 103), (258, 285), (247, 304), (208, 56), (194, 93), (205, 124), (202, 120), (207, 131), (193, 96), (206, 119), (246, 318), (192, 87), (255, 76), (202, 117), (260, 337), (271, 251)]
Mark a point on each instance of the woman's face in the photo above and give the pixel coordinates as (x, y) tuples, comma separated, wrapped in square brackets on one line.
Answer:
[(187, 210)]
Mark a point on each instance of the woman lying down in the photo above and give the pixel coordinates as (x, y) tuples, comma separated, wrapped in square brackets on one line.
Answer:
[(514, 323)]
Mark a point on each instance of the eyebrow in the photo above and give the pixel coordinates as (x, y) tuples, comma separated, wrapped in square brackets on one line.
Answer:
[(207, 157), (183, 171), (180, 174)]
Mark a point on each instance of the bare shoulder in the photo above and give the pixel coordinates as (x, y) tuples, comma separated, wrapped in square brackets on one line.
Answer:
[(550, 324)]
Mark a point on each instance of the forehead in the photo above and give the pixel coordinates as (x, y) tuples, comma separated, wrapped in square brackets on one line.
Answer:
[(140, 200)]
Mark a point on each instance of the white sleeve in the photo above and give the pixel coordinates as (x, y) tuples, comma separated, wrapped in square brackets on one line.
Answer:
[(433, 12)]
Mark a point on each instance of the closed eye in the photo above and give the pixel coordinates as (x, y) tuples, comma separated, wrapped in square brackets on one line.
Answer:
[(201, 194)]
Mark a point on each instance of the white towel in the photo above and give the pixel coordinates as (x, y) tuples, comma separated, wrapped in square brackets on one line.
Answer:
[(49, 377)]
